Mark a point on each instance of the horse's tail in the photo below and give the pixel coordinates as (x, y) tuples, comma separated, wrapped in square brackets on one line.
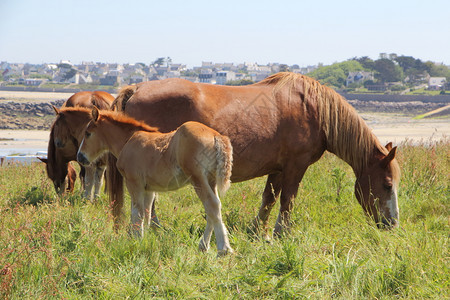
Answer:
[(224, 156), (114, 184), (124, 95)]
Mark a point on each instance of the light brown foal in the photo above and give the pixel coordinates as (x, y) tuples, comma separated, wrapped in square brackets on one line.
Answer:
[(151, 161)]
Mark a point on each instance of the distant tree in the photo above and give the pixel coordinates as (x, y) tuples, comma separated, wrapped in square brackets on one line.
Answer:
[(141, 64), (366, 62), (64, 66), (336, 74), (69, 74), (438, 70), (284, 68), (158, 62), (387, 70), (240, 82), (368, 83)]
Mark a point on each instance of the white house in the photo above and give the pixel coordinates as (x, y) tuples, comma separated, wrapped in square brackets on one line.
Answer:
[(222, 77), (436, 83), (358, 77)]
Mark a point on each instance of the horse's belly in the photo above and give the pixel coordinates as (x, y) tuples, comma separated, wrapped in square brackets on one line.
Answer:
[(166, 182)]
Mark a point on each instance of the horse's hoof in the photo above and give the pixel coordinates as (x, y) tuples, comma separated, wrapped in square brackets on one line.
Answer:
[(202, 246), (221, 253)]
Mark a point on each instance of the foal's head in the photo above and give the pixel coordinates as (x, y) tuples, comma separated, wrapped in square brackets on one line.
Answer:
[(376, 189), (93, 144)]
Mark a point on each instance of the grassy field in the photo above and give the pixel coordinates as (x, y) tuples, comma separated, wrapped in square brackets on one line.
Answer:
[(66, 248)]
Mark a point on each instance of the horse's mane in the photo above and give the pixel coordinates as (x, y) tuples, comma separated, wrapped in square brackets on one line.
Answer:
[(99, 101), (347, 135), (122, 119)]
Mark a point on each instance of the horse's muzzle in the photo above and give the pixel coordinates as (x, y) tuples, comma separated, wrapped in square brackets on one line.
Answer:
[(387, 223), (81, 158)]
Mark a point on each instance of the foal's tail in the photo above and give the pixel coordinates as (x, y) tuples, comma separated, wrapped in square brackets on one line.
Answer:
[(224, 152), (124, 95)]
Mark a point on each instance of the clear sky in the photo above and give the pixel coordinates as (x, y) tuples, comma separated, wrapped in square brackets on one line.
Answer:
[(291, 32)]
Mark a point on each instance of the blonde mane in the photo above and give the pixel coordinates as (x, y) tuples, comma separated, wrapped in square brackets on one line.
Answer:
[(118, 117), (347, 135)]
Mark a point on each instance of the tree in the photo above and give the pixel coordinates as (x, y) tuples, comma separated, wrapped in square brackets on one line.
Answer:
[(336, 74), (284, 68), (387, 70), (158, 62), (366, 62)]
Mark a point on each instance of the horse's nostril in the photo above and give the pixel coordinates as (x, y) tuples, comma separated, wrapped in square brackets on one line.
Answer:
[(82, 159)]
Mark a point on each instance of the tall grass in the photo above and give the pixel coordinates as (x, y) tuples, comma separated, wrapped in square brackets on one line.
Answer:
[(65, 247)]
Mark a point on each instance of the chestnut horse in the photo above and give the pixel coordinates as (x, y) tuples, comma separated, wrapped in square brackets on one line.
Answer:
[(278, 127), (63, 145), (152, 161), (70, 178)]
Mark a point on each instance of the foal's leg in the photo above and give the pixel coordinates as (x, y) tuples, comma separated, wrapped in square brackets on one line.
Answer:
[(212, 205), (151, 219), (89, 179), (270, 195), (291, 181), (99, 171), (137, 194)]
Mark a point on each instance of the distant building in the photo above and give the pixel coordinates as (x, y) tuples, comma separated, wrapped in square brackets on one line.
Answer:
[(436, 83), (206, 78), (222, 77), (358, 77)]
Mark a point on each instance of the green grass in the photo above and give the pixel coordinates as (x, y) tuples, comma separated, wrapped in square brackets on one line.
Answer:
[(66, 248), (423, 91)]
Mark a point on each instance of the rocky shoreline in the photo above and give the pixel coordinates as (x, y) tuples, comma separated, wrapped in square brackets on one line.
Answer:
[(40, 115)]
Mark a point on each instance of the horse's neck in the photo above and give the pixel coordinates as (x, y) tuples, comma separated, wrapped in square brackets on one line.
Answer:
[(117, 136), (355, 144)]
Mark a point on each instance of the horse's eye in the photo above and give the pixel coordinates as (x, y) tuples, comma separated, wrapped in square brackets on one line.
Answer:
[(387, 186), (88, 134)]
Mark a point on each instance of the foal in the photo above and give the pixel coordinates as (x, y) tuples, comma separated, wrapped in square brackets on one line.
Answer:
[(152, 162)]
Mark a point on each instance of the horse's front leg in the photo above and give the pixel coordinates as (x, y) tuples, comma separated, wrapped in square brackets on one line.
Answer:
[(151, 219), (89, 178), (99, 171), (137, 194)]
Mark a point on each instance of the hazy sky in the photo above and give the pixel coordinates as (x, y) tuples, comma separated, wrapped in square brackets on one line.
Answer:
[(292, 32)]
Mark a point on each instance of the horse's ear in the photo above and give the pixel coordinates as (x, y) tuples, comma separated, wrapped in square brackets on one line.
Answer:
[(95, 114), (388, 158), (44, 160), (55, 109), (388, 146)]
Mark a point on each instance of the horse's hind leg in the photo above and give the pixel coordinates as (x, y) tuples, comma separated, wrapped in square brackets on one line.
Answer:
[(212, 205), (270, 195), (291, 181), (151, 219)]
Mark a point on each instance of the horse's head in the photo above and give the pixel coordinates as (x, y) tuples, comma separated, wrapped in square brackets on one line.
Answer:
[(63, 144), (57, 172), (92, 145), (376, 189)]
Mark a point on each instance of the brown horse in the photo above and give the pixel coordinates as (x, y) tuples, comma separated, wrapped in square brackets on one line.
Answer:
[(70, 178), (152, 161), (278, 127), (63, 145)]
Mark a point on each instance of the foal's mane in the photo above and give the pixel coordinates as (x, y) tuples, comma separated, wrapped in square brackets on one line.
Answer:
[(347, 135), (124, 120)]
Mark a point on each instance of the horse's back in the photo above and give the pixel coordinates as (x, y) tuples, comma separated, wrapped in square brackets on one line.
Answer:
[(88, 99)]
